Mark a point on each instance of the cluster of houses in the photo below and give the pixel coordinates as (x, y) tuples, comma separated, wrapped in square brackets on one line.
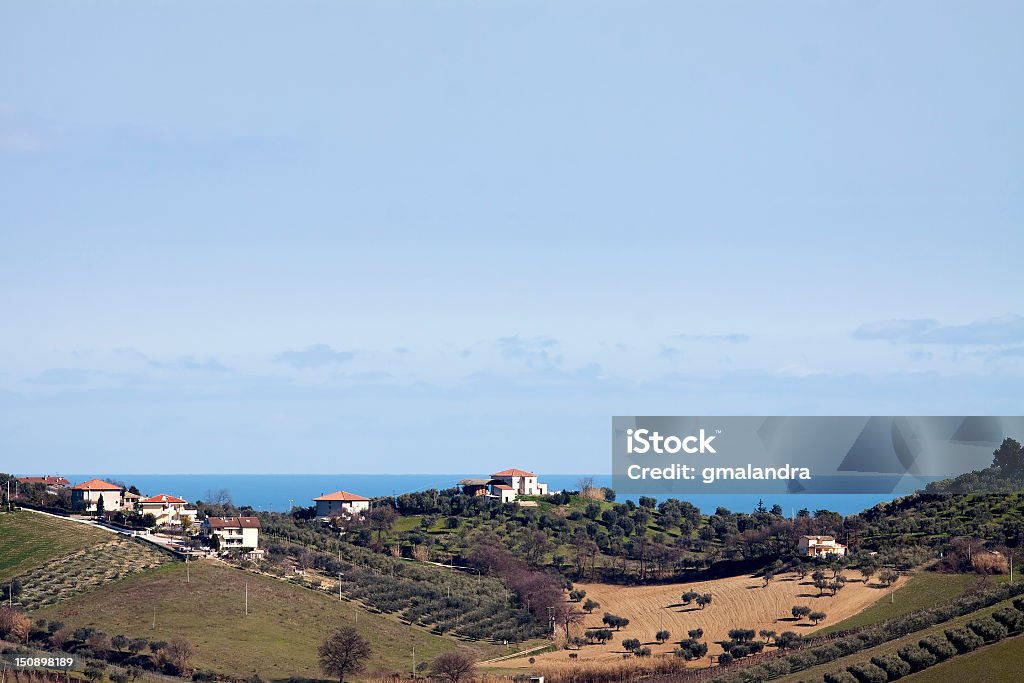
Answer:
[(243, 532), (233, 533)]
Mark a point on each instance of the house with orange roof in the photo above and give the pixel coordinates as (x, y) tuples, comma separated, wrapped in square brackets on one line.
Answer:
[(86, 496), (509, 484), (167, 509), (340, 503), (53, 483)]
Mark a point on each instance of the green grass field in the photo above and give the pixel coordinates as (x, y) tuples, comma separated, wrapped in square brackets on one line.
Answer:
[(922, 590), (997, 663), (29, 540), (278, 638)]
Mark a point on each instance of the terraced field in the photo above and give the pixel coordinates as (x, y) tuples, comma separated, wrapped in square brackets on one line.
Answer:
[(68, 575), (29, 540)]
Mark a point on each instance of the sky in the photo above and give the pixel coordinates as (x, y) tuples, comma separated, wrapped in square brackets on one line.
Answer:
[(375, 237)]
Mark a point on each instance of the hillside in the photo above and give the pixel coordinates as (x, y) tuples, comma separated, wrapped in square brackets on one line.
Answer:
[(999, 663), (29, 540), (277, 638)]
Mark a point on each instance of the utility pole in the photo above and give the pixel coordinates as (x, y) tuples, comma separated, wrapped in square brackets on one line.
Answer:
[(340, 574), (413, 659), (188, 571), (246, 598), (154, 617)]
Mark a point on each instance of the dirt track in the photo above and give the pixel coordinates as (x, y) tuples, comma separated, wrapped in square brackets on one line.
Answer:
[(738, 602)]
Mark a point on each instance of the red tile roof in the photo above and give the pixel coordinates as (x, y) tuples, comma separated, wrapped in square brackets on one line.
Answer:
[(233, 522), (503, 487), (98, 485), (513, 473), (342, 495), (51, 480), (163, 498)]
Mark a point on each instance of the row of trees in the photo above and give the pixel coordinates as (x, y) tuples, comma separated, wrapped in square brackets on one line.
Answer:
[(172, 656)]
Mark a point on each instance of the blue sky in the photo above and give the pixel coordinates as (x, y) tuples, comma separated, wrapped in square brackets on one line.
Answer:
[(373, 237)]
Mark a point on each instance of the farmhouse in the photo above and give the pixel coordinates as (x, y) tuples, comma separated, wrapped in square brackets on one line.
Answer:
[(516, 483), (86, 496), (242, 533), (340, 503), (503, 492), (166, 508), (817, 546)]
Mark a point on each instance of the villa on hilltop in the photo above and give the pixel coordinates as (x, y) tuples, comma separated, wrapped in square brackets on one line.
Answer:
[(506, 485), (331, 505), (818, 546)]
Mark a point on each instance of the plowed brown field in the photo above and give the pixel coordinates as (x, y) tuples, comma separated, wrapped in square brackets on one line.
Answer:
[(738, 602)]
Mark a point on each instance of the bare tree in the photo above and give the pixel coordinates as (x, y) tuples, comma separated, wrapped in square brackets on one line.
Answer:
[(344, 652), (585, 485), (453, 666), (178, 652)]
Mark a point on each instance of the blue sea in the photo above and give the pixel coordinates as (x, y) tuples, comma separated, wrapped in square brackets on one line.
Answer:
[(277, 492)]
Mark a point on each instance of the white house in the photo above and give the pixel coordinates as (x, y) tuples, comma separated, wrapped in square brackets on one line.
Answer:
[(166, 508), (331, 505), (504, 492), (242, 533), (86, 496), (516, 483), (817, 546)]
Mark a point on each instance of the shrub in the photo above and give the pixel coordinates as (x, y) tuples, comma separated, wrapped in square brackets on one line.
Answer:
[(1010, 618), (787, 640), (964, 639), (917, 657), (843, 676), (938, 646), (691, 649), (867, 672), (893, 666), (988, 628)]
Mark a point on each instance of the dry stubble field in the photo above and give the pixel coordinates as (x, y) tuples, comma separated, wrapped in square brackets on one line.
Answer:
[(738, 602)]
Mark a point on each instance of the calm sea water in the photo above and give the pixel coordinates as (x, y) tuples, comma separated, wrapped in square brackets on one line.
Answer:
[(277, 492)]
